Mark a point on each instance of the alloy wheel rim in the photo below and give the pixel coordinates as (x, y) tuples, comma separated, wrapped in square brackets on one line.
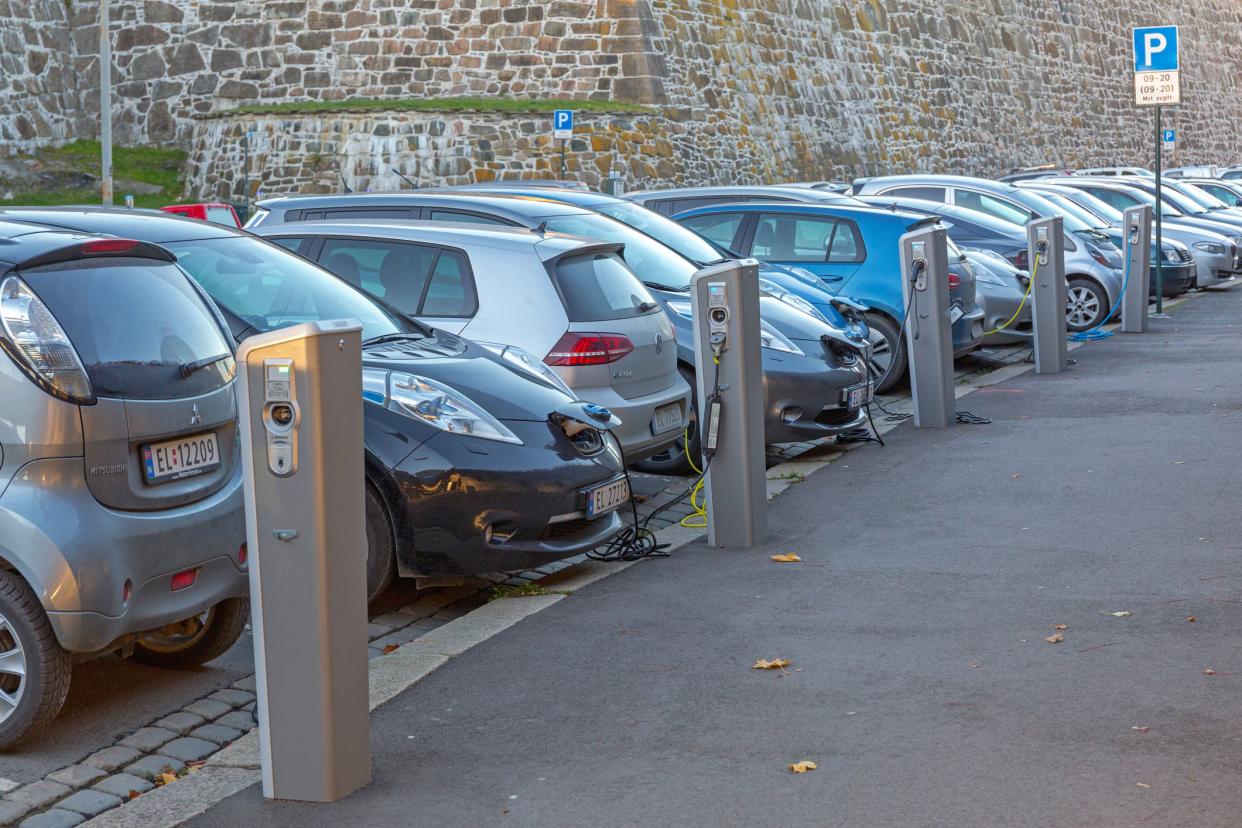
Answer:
[(881, 361), (12, 669), (1082, 305)]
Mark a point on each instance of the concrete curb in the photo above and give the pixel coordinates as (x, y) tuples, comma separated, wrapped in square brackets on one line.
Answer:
[(236, 767)]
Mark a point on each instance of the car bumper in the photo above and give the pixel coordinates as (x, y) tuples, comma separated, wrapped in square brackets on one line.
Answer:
[(637, 415), (968, 332), (805, 397), (1177, 278), (1000, 304), (78, 555), (470, 505)]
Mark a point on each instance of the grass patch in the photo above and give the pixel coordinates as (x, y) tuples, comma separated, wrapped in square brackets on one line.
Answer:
[(161, 167), (513, 105), (525, 591)]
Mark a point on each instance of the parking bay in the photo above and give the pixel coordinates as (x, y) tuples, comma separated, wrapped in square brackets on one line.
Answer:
[(111, 698)]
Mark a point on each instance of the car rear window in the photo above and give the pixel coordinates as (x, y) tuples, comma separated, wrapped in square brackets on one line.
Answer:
[(599, 287), (221, 215), (135, 323)]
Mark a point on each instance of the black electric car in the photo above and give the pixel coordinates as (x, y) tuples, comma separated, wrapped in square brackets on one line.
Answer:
[(475, 462)]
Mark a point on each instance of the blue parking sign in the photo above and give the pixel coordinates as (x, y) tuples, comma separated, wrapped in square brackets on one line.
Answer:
[(1168, 136), (1155, 49), (563, 123)]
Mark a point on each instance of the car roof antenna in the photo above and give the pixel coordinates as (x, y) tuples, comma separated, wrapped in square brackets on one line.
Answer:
[(404, 178), (340, 172)]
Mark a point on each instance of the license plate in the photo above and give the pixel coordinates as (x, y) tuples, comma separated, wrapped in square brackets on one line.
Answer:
[(858, 396), (605, 498), (178, 459), (667, 418), (955, 313)]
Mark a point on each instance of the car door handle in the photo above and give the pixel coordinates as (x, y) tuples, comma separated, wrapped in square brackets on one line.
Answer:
[(832, 278)]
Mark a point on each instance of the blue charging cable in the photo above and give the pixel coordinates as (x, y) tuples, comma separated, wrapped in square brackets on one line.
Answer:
[(1094, 334)]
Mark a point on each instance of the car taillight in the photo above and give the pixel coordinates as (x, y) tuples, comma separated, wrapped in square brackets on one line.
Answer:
[(955, 281), (1019, 258), (184, 579), (108, 246), (38, 343), (588, 349)]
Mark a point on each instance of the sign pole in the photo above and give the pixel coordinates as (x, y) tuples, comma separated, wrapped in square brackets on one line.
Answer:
[(105, 106), (1159, 210), (563, 168)]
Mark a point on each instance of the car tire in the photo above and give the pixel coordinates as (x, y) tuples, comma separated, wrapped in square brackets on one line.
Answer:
[(381, 546), (891, 367), (1085, 304), (217, 631), (673, 460), (26, 636)]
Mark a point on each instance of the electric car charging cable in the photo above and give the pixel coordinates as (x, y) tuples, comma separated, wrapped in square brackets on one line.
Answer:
[(1030, 283), (1094, 334)]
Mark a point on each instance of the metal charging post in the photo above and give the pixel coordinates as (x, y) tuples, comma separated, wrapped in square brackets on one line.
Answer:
[(1137, 229), (301, 428), (1046, 252), (729, 372), (928, 331)]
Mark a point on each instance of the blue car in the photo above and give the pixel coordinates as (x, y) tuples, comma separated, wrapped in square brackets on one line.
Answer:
[(849, 248), (793, 285)]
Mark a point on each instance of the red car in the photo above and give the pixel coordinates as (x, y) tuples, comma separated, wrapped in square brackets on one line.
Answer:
[(213, 211)]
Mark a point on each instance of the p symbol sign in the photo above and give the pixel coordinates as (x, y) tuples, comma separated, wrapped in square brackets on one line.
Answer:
[(563, 123), (1155, 49)]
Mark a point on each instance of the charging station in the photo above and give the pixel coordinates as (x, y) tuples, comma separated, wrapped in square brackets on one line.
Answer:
[(1137, 226), (1046, 252), (729, 375), (301, 428), (928, 331)]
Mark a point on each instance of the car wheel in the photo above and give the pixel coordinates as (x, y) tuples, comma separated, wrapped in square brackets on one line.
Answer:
[(34, 670), (888, 352), (1085, 304), (197, 640), (381, 546), (673, 460)]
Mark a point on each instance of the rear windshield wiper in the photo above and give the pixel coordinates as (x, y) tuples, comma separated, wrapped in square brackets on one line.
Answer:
[(188, 369)]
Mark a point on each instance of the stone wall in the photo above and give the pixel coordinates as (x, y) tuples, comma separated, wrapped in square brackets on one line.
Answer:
[(38, 86)]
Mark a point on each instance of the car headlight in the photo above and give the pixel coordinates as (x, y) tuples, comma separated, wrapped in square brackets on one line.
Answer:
[(1215, 248), (529, 363), (773, 339), (792, 299), (433, 403)]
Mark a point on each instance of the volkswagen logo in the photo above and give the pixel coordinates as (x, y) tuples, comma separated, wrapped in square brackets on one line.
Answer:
[(195, 417), (659, 342)]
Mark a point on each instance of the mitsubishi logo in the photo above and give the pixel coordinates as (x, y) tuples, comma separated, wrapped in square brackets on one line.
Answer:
[(659, 342), (195, 417)]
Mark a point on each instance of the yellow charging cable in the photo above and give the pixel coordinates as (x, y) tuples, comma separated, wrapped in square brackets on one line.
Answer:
[(1034, 270), (698, 518)]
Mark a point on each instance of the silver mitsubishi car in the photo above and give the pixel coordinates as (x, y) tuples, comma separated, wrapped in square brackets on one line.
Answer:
[(548, 299), (121, 525)]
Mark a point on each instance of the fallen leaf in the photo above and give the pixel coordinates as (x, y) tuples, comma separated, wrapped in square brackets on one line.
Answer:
[(1122, 614), (388, 648), (165, 778), (1142, 784), (640, 498), (774, 664), (134, 794), (973, 664), (196, 763), (1191, 619), (1209, 672), (803, 766), (788, 557), (1055, 639), (1140, 729), (1059, 627)]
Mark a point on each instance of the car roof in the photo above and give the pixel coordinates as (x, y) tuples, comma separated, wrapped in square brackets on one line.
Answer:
[(857, 209), (948, 211), (514, 207), (793, 191), (579, 198), (437, 232), (150, 226), (938, 179)]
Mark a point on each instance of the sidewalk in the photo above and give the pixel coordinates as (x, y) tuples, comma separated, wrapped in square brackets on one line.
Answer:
[(921, 682)]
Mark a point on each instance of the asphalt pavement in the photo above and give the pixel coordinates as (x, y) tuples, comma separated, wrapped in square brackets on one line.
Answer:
[(921, 681)]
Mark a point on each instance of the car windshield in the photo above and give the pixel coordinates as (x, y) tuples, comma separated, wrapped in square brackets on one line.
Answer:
[(663, 229), (268, 287), (1073, 223), (654, 263), (1070, 206), (1105, 211), (1201, 196)]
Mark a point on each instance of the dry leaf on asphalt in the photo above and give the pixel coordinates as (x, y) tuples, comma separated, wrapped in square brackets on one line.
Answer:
[(1122, 614), (973, 664), (1142, 784), (1055, 639), (1140, 728), (788, 557), (1015, 476), (1191, 619), (1060, 627), (1209, 672), (388, 648), (134, 794), (774, 664), (165, 778), (803, 766)]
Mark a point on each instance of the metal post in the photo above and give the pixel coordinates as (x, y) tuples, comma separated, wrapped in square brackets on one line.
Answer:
[(928, 331), (246, 171), (105, 105), (729, 369), (564, 166), (1046, 252), (1136, 229), (1159, 231), (301, 435)]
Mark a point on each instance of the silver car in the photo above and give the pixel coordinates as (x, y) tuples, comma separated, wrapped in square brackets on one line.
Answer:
[(121, 525), (676, 200), (564, 301), (1002, 291)]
